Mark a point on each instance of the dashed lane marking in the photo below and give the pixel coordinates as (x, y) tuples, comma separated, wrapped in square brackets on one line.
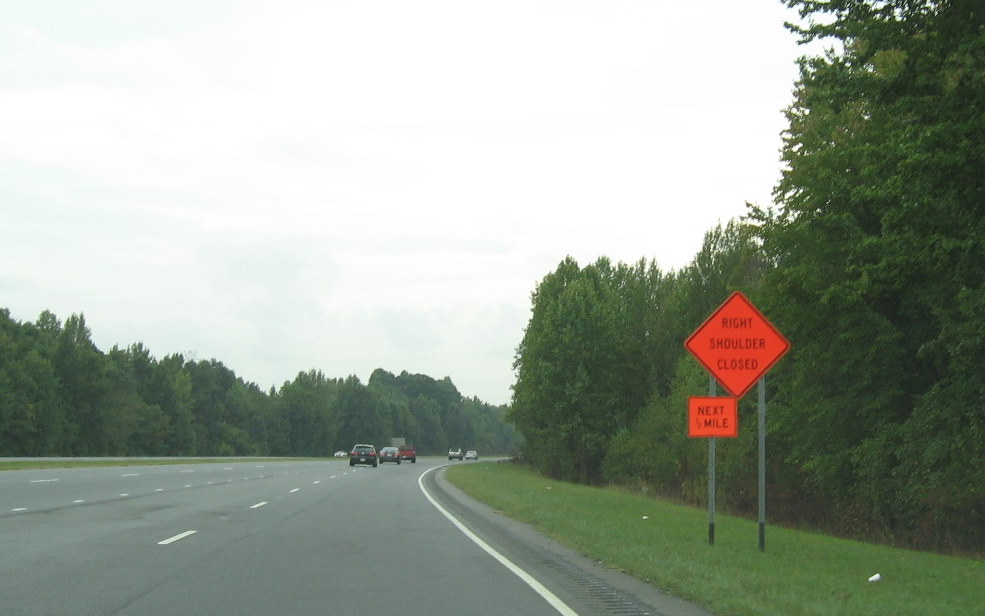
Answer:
[(177, 537)]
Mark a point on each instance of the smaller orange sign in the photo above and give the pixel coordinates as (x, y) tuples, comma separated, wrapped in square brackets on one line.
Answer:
[(710, 417)]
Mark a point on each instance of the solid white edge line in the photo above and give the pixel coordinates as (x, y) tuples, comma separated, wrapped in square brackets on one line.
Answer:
[(177, 537), (539, 588)]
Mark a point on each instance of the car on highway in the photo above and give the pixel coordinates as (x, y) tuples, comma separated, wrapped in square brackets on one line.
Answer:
[(455, 453), (363, 454), (389, 454), (408, 452), (341, 454), (471, 454)]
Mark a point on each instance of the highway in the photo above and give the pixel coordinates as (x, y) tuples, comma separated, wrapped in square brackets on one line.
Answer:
[(300, 537)]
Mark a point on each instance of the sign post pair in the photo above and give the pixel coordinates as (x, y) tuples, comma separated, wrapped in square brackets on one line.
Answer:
[(738, 346)]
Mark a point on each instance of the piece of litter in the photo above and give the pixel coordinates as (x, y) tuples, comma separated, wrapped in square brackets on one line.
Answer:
[(875, 578), (646, 517)]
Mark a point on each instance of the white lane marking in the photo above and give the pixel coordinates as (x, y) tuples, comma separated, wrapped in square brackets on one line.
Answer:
[(124, 495), (159, 490), (316, 482), (20, 509), (258, 505), (333, 476), (43, 480), (227, 468), (539, 588), (177, 537), (188, 471), (188, 485), (78, 502), (131, 475), (295, 490)]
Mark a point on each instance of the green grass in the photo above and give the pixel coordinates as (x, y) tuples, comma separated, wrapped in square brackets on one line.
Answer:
[(800, 573), (20, 465)]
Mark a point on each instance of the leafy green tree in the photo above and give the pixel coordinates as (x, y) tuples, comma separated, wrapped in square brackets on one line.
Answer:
[(880, 263), (307, 406), (213, 406), (32, 417), (81, 372), (491, 434), (361, 420), (149, 426), (171, 390), (249, 421), (578, 368), (431, 437)]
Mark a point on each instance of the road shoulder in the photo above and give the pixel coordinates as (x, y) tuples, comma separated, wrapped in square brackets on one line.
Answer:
[(589, 587)]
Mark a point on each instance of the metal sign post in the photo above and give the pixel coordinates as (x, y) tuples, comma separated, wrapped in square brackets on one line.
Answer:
[(712, 391), (762, 464)]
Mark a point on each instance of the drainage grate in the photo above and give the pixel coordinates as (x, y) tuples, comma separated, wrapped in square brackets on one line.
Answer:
[(603, 599)]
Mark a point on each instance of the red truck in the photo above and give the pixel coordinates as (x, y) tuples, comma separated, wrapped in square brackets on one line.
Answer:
[(407, 452)]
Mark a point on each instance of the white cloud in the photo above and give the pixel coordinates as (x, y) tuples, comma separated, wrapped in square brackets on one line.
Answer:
[(352, 185)]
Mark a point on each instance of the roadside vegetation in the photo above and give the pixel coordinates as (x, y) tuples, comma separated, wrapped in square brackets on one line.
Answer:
[(62, 396), (871, 262), (799, 574)]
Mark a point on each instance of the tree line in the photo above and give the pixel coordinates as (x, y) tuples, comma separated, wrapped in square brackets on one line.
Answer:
[(872, 264), (62, 396)]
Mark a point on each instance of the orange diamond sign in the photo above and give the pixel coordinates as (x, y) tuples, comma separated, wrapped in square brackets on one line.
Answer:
[(737, 345)]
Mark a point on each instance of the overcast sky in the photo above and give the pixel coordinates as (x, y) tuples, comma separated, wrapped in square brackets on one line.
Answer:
[(358, 184)]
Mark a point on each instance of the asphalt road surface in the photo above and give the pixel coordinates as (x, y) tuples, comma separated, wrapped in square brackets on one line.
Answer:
[(285, 538)]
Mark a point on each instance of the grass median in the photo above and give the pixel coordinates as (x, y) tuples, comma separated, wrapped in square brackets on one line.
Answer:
[(800, 573), (41, 464)]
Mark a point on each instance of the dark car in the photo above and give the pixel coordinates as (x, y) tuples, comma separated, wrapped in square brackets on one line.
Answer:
[(389, 454), (363, 454)]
